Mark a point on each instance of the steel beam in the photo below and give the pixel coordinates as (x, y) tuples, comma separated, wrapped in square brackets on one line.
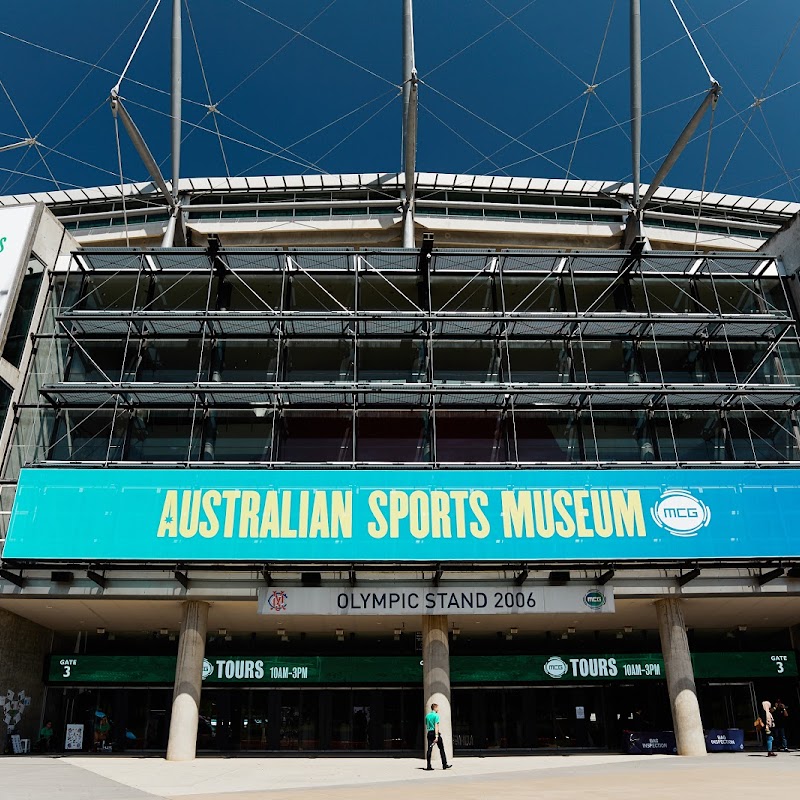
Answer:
[(680, 144), (141, 147), (636, 97)]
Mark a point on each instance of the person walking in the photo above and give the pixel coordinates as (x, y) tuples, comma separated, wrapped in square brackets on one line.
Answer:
[(45, 737), (769, 728), (781, 714), (434, 736)]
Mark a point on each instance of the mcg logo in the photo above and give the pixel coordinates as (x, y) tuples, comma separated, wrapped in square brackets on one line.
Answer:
[(680, 513)]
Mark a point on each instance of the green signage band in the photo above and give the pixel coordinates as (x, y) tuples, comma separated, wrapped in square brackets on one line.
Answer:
[(341, 670)]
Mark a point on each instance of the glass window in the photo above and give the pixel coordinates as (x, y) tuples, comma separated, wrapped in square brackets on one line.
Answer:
[(546, 436), (315, 437), (255, 292), (248, 360), (537, 293), (187, 292), (400, 360), (465, 361), (619, 436), (774, 435), (100, 361), (392, 437), (739, 444), (319, 360), (23, 312), (84, 436), (540, 362), (174, 361), (391, 293), (463, 293), (163, 435), (468, 438), (698, 436), (240, 435), (322, 292)]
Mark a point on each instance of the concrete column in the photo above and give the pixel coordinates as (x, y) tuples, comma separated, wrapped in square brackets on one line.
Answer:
[(680, 678), (182, 743), (23, 648), (436, 676)]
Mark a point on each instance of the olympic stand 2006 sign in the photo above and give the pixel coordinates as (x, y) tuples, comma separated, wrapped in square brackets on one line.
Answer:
[(359, 516)]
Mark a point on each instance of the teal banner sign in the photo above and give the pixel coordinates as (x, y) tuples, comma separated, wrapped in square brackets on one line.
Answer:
[(394, 515), (341, 670)]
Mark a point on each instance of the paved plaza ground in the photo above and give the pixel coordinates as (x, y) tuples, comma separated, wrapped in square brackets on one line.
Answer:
[(716, 777)]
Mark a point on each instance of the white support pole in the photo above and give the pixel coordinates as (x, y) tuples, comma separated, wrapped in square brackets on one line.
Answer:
[(636, 98), (410, 103)]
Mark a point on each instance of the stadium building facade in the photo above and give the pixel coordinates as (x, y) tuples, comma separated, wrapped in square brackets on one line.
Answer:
[(282, 487)]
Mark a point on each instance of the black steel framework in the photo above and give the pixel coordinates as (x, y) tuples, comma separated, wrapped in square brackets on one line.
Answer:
[(423, 358)]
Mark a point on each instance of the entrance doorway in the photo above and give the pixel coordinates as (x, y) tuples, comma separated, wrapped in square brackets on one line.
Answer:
[(730, 705)]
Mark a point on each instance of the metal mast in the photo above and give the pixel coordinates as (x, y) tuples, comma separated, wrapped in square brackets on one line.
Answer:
[(636, 97), (410, 101), (176, 94)]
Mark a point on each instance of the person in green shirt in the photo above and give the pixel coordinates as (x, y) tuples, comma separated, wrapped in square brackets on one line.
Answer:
[(434, 737), (45, 737)]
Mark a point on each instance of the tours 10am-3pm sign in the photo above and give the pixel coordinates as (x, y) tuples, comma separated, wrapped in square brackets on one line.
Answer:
[(359, 516)]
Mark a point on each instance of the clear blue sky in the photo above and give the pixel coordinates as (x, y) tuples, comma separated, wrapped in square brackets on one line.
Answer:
[(503, 80)]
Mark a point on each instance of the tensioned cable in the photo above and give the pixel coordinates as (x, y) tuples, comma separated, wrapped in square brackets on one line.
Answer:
[(674, 42), (694, 44), (536, 42), (480, 38), (211, 105), (276, 53), (357, 128), (86, 76), (611, 128), (532, 128), (590, 91), (318, 44), (463, 139), (213, 132), (136, 47), (777, 151), (717, 45), (492, 125), (757, 102), (748, 129), (28, 134), (307, 136), (94, 66)]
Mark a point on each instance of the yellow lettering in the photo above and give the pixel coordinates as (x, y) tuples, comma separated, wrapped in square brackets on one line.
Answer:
[(230, 495), (562, 499), (342, 514), (601, 511), (320, 527), (480, 528), (517, 513), (287, 532), (459, 498), (210, 527), (440, 515), (190, 513), (543, 509), (169, 515), (269, 516), (379, 528), (628, 514), (398, 509), (419, 514), (248, 520), (581, 512), (302, 523)]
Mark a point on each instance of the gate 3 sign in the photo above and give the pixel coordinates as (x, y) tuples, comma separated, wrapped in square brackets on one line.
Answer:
[(364, 516), (388, 599)]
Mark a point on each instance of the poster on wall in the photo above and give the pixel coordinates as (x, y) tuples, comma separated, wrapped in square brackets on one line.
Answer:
[(74, 737)]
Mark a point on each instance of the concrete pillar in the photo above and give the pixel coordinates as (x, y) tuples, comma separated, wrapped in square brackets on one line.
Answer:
[(23, 648), (436, 676), (680, 678), (182, 743)]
